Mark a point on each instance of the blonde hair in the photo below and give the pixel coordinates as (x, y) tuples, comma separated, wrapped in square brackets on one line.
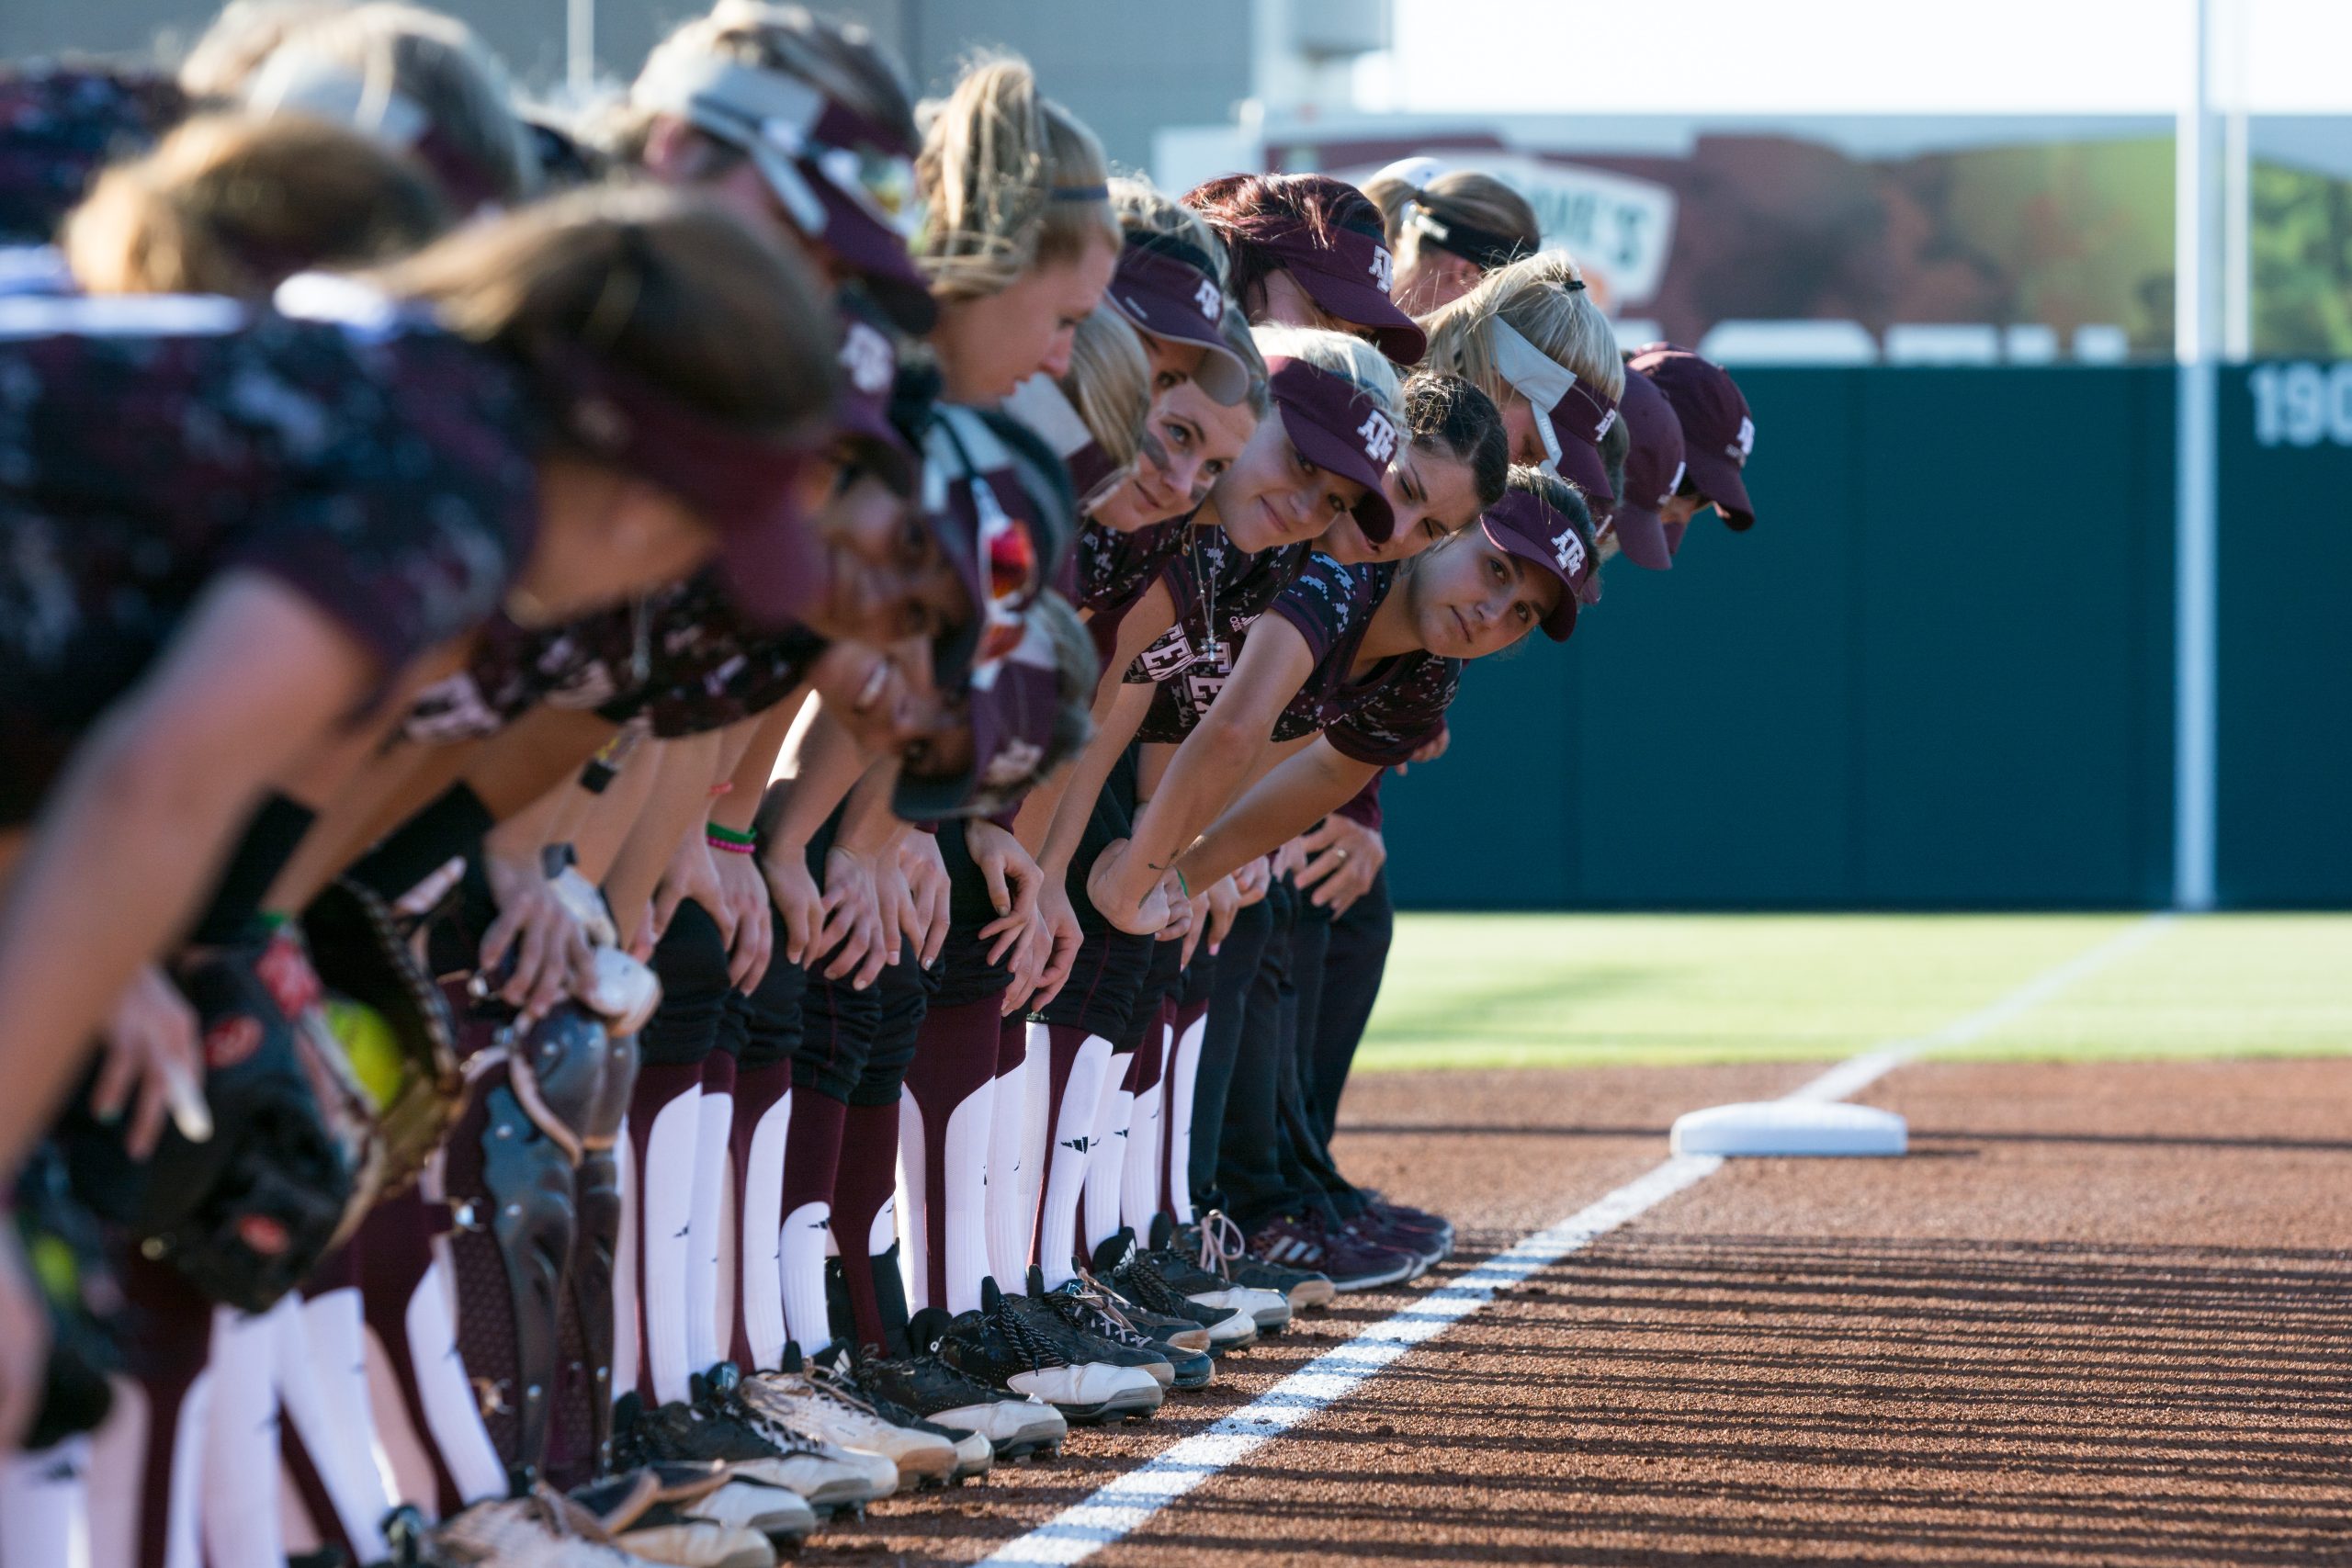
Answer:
[(1144, 209), (1349, 359), (1465, 194), (663, 285), (1239, 337), (1109, 383), (237, 41), (840, 60), (231, 204), (1543, 299), (1011, 181), (397, 61)]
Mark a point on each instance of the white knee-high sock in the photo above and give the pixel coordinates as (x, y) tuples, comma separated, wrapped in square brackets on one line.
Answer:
[(912, 1198), (336, 1325), (665, 1228), (184, 1518), (807, 1238), (963, 1189), (45, 1507), (762, 1268), (628, 1331), (314, 1377), (1037, 1112), (239, 1516), (451, 1412), (115, 1476), (708, 1314), (1139, 1193), (1009, 1220), (1183, 1075), (1106, 1161), (1075, 1130)]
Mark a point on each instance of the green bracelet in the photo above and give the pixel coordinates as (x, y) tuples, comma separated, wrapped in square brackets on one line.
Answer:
[(1185, 886), (729, 835)]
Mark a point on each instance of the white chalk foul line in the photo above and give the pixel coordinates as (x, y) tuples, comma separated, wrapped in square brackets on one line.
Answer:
[(1117, 1509)]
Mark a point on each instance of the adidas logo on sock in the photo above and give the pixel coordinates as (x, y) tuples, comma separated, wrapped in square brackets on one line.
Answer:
[(1081, 1144)]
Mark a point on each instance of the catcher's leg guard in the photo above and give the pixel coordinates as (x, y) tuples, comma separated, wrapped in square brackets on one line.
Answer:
[(595, 1255), (511, 1201)]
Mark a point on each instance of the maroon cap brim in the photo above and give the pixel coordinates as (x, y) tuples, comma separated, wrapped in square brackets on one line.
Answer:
[(1720, 481), (1674, 532), (1580, 464), (774, 567), (1395, 333), (1560, 621), (1170, 299), (877, 253), (1641, 534), (1324, 450)]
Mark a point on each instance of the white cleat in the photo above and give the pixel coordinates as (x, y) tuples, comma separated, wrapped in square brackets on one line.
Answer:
[(821, 1408), (776, 1512), (1269, 1310), (1094, 1391)]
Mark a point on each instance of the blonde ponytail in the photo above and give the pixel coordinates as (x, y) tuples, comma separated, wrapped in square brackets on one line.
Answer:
[(1011, 181), (1544, 300)]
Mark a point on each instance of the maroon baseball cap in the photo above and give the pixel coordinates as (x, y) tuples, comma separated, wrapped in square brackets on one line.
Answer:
[(745, 484), (1571, 414), (869, 363), (1012, 704), (1653, 470), (1522, 524), (1169, 288), (1349, 279), (845, 181), (1338, 425), (1717, 432)]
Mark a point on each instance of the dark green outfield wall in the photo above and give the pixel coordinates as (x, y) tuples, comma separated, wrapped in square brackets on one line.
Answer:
[(1939, 673)]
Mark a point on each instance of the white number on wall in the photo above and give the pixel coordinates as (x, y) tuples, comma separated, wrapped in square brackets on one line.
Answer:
[(2303, 404)]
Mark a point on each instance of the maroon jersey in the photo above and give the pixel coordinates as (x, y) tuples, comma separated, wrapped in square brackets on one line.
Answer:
[(1330, 604), (383, 472), (1398, 709)]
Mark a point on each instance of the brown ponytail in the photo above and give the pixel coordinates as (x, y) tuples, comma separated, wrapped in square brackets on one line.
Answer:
[(230, 204), (666, 287)]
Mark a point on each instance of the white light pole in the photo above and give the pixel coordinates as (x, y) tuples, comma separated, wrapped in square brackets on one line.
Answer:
[(2196, 333), (580, 49)]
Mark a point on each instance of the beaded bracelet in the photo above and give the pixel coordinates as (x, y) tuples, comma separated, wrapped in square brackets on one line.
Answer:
[(718, 843)]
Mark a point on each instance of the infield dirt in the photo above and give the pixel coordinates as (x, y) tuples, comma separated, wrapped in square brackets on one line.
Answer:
[(2102, 1313)]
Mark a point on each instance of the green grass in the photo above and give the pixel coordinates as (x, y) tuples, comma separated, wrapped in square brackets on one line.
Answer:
[(1569, 990)]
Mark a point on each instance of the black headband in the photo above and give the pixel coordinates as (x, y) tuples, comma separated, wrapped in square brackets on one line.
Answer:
[(1487, 247)]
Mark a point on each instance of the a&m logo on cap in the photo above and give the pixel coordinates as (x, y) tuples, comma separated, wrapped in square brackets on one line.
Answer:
[(1745, 443), (1673, 484), (1570, 551), (1384, 268), (1210, 299), (1013, 763), (1379, 438), (865, 355)]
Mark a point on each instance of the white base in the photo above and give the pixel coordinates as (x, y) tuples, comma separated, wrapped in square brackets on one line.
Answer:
[(1784, 1127)]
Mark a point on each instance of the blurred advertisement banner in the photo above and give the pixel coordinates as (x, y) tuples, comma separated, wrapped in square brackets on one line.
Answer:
[(1853, 239)]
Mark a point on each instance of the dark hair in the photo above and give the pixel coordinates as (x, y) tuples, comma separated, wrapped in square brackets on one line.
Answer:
[(1247, 210), (1448, 414), (1558, 493)]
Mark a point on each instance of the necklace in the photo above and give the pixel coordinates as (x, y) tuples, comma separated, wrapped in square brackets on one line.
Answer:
[(1206, 582)]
